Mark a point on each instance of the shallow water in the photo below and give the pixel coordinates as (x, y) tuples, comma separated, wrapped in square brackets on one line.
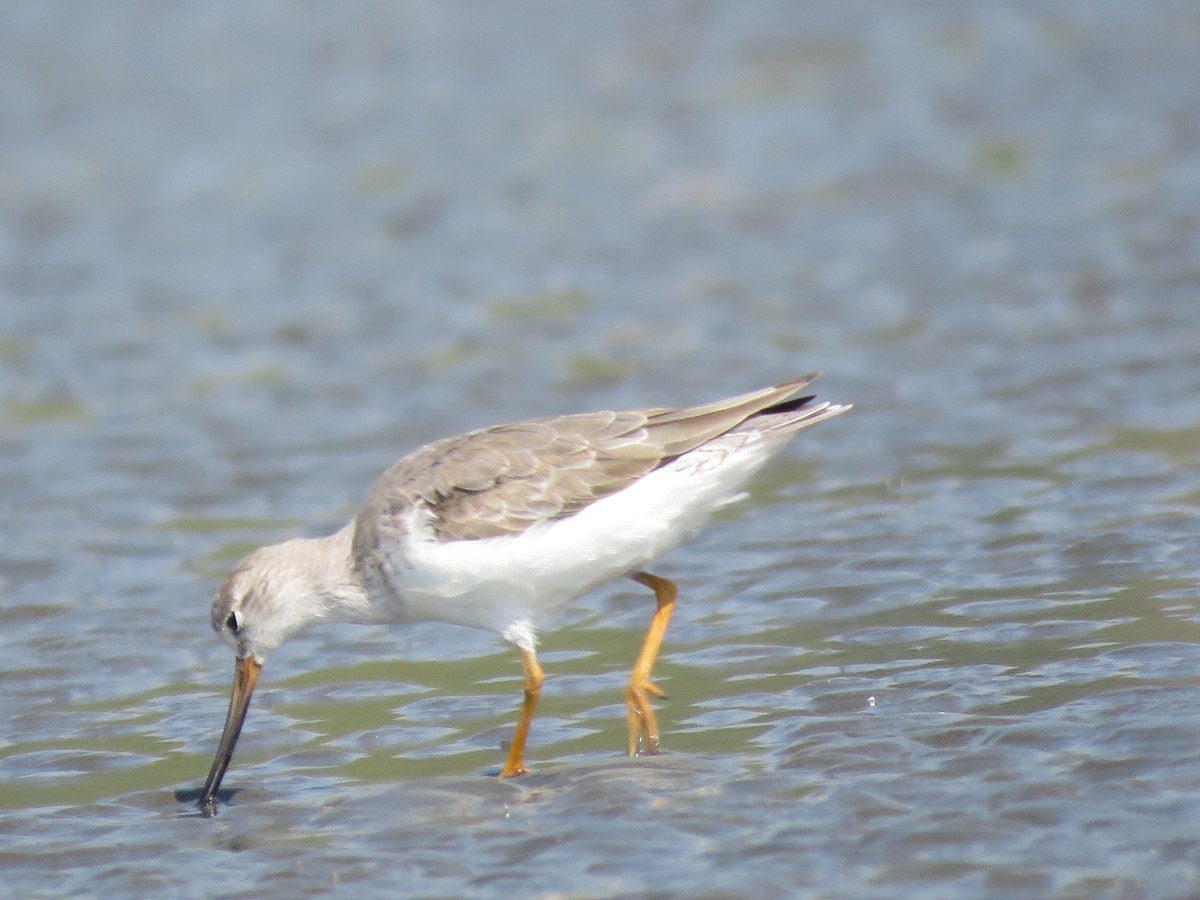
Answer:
[(947, 647)]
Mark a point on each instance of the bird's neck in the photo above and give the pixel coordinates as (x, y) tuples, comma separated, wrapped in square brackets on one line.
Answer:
[(332, 578)]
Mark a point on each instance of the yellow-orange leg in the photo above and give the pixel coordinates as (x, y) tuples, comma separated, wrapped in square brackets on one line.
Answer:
[(643, 724), (515, 764)]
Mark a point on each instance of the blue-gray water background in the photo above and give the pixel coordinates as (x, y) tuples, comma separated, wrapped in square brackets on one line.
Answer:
[(250, 253)]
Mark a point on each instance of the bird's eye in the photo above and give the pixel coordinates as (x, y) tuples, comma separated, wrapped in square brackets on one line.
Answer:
[(232, 623)]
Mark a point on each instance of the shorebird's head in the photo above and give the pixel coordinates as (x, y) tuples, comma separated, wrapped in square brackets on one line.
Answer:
[(266, 599)]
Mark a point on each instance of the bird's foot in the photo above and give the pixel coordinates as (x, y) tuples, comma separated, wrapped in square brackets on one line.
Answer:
[(643, 724)]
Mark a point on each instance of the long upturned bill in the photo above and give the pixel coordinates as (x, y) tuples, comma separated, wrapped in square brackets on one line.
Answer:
[(245, 676)]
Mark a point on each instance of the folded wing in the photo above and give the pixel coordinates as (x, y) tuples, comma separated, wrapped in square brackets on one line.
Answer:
[(501, 480)]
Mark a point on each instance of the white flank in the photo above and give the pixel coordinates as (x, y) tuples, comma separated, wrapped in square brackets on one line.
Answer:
[(504, 583)]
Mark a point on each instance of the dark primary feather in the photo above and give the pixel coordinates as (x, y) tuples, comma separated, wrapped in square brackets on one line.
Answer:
[(500, 480)]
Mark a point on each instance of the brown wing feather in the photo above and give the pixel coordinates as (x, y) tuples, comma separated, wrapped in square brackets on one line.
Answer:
[(500, 480)]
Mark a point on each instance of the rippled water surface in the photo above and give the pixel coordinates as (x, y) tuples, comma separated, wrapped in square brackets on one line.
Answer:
[(947, 647)]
